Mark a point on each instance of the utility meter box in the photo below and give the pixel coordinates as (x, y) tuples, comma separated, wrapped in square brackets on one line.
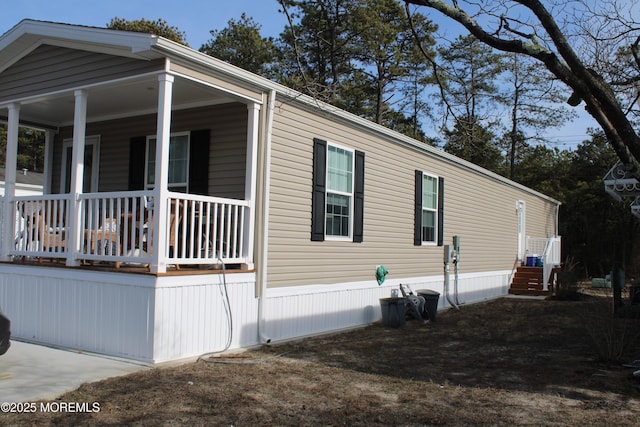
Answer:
[(447, 254)]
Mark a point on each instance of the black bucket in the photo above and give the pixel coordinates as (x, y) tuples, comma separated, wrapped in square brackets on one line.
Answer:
[(393, 311), (430, 303)]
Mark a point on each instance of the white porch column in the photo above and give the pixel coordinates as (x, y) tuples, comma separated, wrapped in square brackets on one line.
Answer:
[(163, 135), (8, 215), (77, 173), (251, 176)]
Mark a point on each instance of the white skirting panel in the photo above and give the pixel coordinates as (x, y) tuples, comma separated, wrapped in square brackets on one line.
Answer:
[(140, 317), (158, 319), (293, 312), (192, 319), (92, 311)]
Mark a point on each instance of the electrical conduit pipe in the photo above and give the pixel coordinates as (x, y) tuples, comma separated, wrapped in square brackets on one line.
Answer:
[(447, 259)]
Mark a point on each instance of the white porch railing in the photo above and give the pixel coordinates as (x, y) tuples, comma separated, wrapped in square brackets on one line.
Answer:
[(118, 227), (550, 251), (40, 225), (206, 230), (115, 226)]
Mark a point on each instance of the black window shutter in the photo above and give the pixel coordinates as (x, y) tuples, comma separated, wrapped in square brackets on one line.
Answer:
[(358, 207), (199, 162), (137, 148), (319, 189), (417, 228), (440, 211)]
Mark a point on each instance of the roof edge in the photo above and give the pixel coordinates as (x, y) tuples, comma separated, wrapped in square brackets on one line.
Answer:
[(132, 41)]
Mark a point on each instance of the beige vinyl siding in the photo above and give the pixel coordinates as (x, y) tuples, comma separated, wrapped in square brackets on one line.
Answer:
[(227, 149), (540, 218), (50, 68), (480, 209), (228, 154)]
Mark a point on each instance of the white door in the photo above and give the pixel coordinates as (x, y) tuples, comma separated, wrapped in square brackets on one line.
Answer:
[(522, 243), (90, 176)]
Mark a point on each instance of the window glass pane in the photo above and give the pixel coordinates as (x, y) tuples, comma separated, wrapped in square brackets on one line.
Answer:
[(151, 162), (88, 167), (428, 226), (429, 192), (69, 153), (340, 169), (178, 162), (178, 159), (337, 218)]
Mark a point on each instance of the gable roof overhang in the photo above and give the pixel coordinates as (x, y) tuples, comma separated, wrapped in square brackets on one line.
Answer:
[(197, 82), (28, 34)]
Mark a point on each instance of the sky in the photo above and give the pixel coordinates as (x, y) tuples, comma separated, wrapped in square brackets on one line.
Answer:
[(196, 18)]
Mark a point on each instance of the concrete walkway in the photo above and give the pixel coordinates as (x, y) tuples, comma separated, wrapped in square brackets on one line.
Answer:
[(31, 372)]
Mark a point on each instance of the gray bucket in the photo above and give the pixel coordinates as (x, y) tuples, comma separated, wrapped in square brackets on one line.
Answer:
[(393, 311)]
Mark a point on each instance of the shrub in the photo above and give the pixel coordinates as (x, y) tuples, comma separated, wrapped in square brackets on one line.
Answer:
[(611, 333), (566, 287)]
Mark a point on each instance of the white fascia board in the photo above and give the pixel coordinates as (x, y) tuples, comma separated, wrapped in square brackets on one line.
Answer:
[(209, 63), (136, 42)]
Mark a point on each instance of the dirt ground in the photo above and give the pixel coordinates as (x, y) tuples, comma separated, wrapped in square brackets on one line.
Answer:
[(502, 362)]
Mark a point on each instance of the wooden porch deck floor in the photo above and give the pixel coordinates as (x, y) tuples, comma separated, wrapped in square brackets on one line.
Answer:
[(131, 268)]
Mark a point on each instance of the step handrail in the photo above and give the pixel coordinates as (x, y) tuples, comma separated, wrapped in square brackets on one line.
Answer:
[(550, 259)]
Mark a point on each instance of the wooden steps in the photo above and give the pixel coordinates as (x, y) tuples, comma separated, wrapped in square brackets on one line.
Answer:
[(528, 281)]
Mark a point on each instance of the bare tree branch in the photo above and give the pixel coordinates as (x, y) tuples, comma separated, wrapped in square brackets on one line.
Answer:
[(564, 63), (296, 50), (434, 64)]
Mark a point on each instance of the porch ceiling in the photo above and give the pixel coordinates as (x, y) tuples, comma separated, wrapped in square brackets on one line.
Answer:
[(116, 100)]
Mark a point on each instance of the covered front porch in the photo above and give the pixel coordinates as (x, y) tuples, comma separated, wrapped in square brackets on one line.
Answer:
[(150, 166), (157, 168)]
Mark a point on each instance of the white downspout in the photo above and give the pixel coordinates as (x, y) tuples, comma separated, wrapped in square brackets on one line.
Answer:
[(264, 339)]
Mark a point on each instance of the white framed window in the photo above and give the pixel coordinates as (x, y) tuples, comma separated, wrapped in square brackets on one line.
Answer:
[(429, 208), (339, 198), (178, 177)]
